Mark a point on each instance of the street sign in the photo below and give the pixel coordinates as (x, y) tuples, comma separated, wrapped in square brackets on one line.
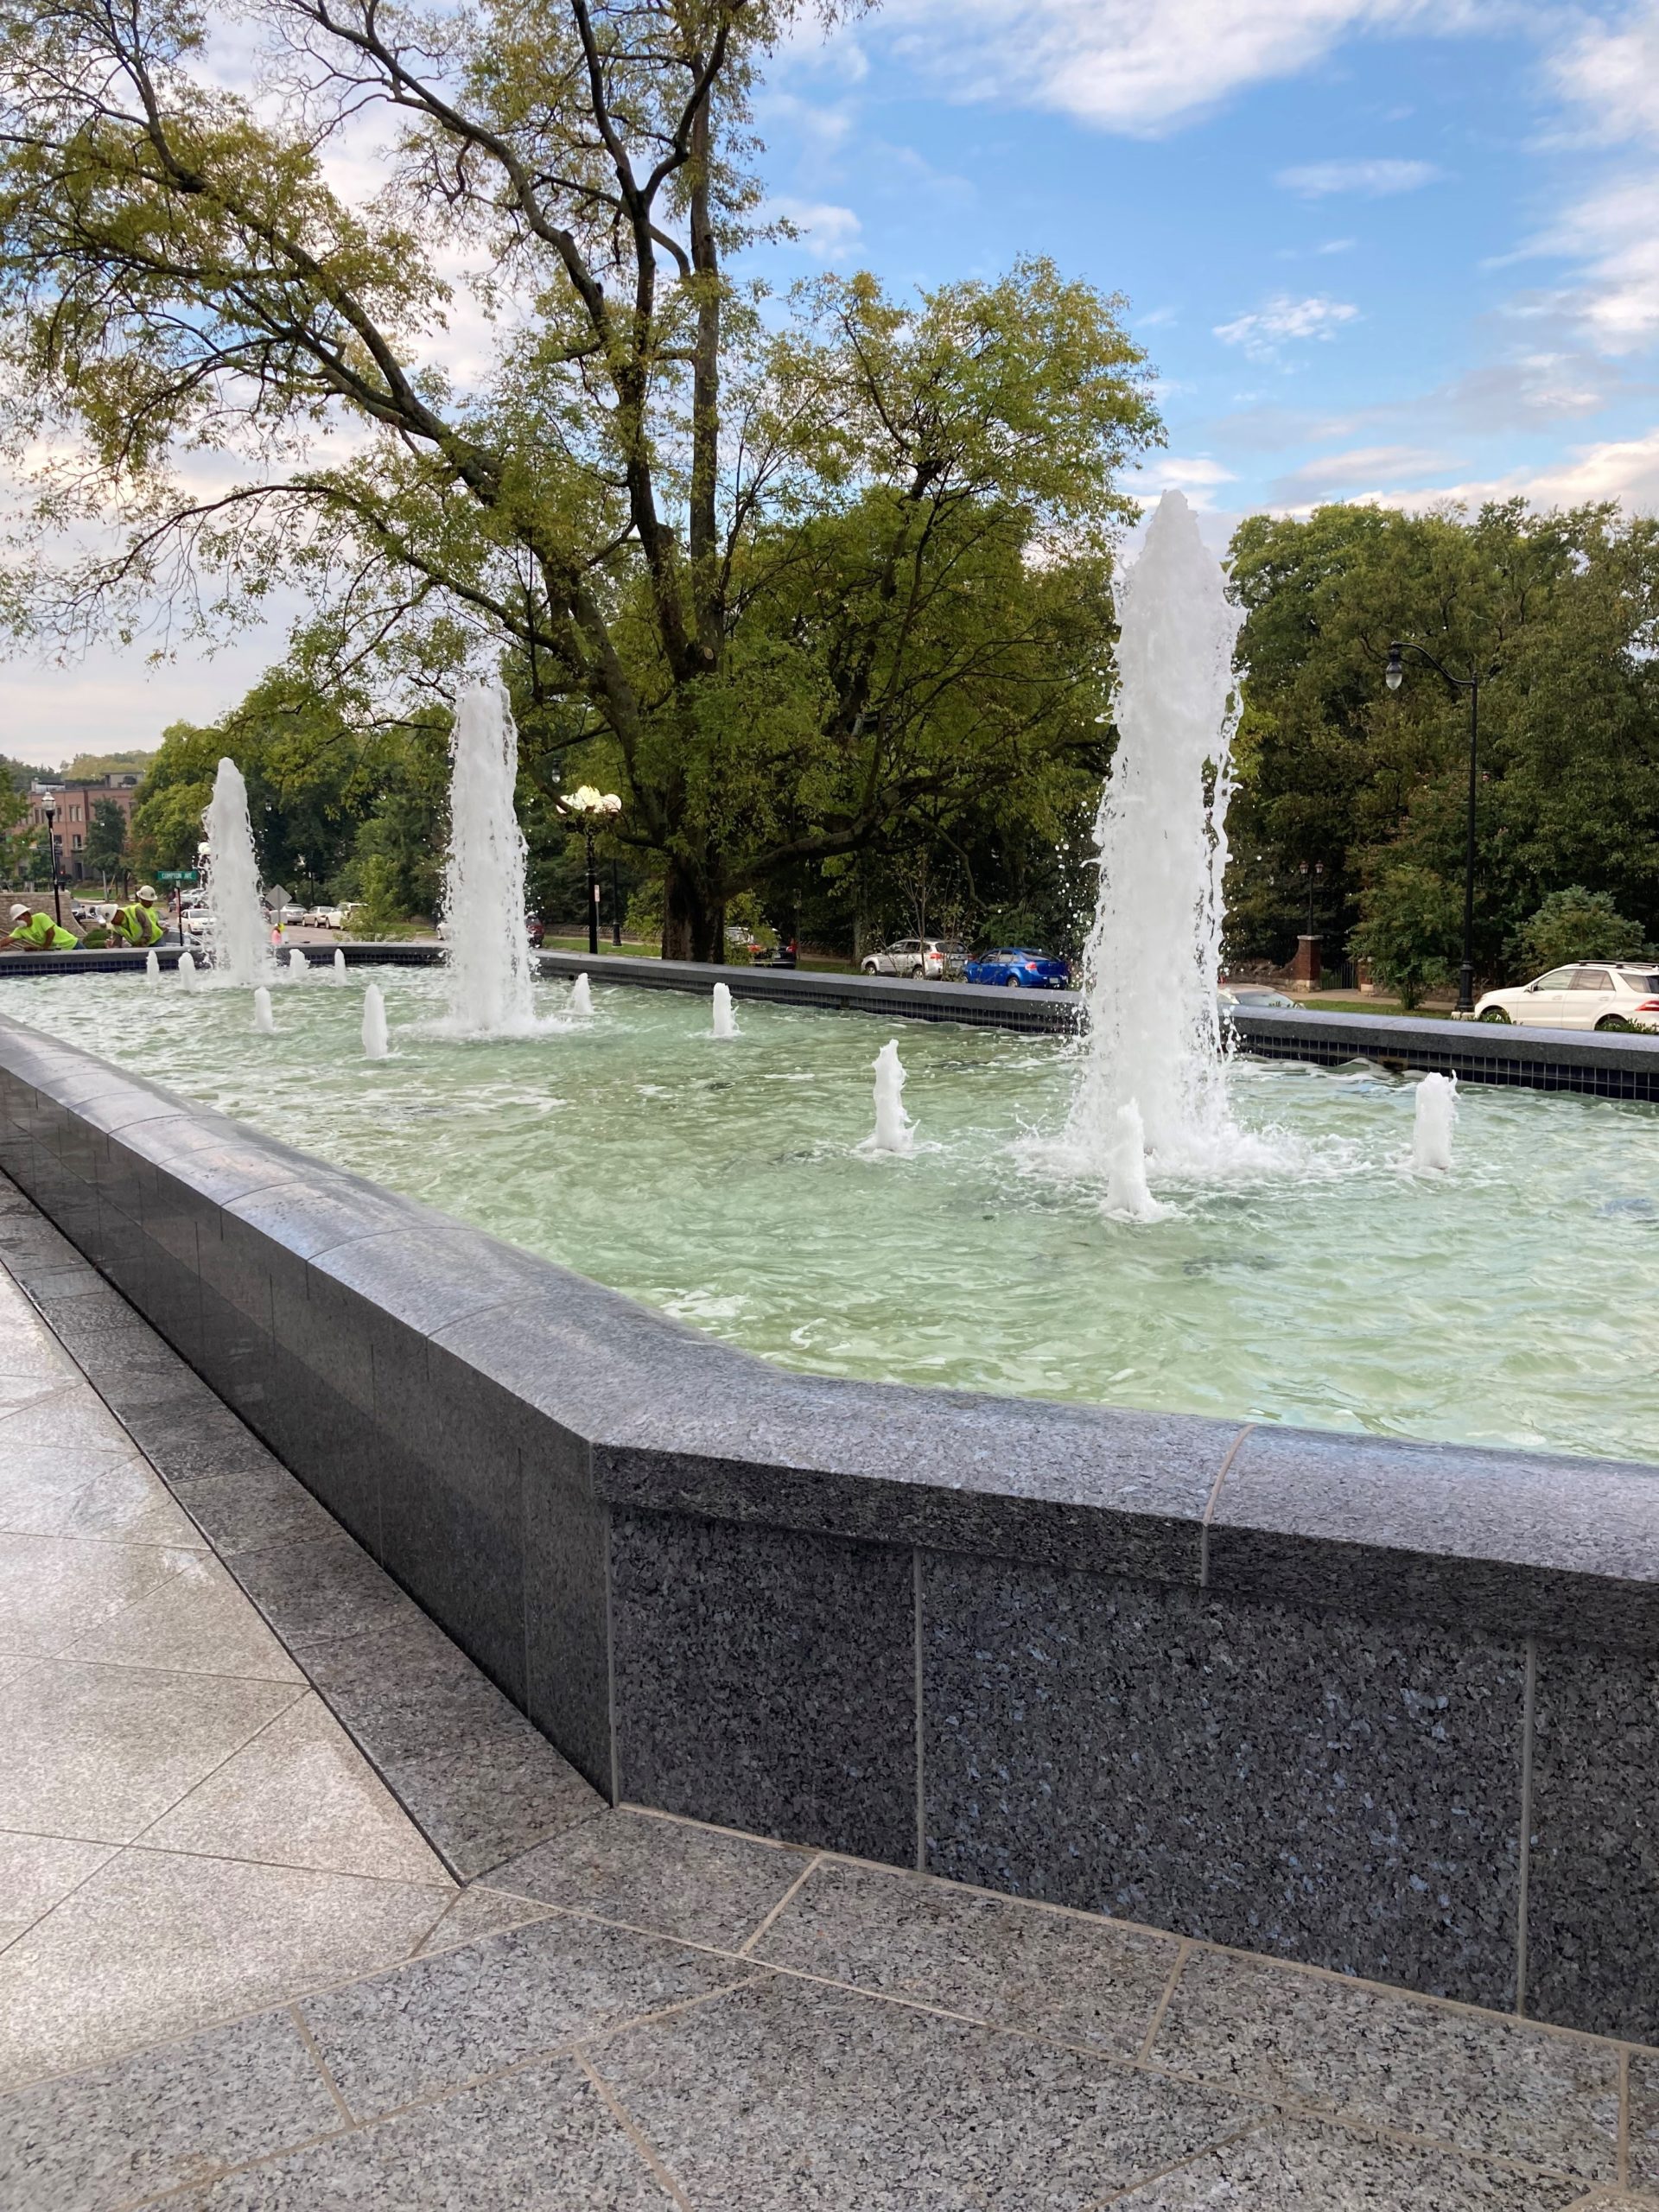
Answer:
[(177, 875)]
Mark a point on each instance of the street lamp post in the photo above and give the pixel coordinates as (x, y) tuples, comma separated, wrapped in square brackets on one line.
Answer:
[(51, 814), (1394, 675), (593, 809)]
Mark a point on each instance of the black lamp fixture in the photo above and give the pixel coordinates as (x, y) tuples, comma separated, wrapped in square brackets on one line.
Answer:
[(51, 814), (1394, 675)]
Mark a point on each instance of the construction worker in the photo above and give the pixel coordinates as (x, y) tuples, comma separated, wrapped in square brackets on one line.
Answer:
[(137, 923), (37, 933)]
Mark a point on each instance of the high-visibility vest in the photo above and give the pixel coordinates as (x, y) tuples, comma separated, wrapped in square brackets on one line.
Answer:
[(137, 923), (40, 933)]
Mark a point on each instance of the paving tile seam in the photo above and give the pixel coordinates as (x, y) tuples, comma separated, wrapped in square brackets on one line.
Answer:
[(431, 1947), (1623, 2119), (136, 1842), (302, 2028), (288, 1866), (1182, 1951), (625, 2119), (1256, 2127), (111, 1850), (746, 1948)]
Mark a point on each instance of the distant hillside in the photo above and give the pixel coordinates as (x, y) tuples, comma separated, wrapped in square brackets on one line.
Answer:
[(105, 763)]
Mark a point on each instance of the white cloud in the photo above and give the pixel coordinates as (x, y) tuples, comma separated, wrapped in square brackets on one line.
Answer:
[(1139, 66), (1198, 476), (1334, 473), (1283, 321), (1613, 234), (1621, 469), (1376, 180), (824, 228), (1611, 71)]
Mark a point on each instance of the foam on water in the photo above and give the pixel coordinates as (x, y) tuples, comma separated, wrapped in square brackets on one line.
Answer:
[(1433, 1117)]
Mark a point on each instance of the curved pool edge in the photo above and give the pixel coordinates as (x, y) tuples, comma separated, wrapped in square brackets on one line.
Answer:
[(1365, 1703)]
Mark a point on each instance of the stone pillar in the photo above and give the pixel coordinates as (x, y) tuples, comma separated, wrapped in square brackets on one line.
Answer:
[(1304, 970)]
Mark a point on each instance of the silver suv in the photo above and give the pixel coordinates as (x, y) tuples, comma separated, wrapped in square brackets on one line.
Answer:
[(932, 957)]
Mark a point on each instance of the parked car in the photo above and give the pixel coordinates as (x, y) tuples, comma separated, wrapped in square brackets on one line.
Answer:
[(1231, 996), (780, 955), (933, 957), (1590, 995), (196, 920), (1018, 968)]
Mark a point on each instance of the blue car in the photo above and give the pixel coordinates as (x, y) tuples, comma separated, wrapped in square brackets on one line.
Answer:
[(1016, 968)]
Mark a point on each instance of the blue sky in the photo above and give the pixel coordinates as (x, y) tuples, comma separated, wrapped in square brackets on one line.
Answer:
[(1398, 248), (1372, 249)]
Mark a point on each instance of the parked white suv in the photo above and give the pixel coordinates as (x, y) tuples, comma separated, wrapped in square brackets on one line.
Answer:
[(931, 957), (1591, 995)]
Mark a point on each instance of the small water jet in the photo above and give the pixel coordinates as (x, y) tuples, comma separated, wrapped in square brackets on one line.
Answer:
[(1128, 1197), (187, 968), (1433, 1117), (582, 998), (298, 965), (340, 965), (376, 1042), (487, 946), (233, 941), (263, 1020), (725, 1021), (152, 967), (1153, 953), (895, 1131)]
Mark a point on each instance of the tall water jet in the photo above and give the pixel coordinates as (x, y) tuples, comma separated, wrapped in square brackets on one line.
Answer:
[(487, 946), (1152, 956), (152, 967), (234, 939), (582, 998), (263, 1020), (376, 1044), (297, 963), (186, 968), (340, 965), (1433, 1119), (1128, 1197), (725, 1021), (894, 1130)]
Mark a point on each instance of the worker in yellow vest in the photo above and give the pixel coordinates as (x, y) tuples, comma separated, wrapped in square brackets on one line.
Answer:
[(137, 924), (38, 933)]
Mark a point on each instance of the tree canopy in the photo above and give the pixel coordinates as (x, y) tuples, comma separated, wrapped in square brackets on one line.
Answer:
[(798, 577)]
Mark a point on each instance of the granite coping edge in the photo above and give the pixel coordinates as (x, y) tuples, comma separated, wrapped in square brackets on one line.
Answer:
[(1500, 1538)]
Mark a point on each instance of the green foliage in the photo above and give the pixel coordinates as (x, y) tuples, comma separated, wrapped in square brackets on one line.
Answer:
[(1335, 769), (1577, 924), (106, 838), (1408, 931)]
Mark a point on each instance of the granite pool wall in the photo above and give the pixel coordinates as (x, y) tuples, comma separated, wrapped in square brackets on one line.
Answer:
[(1388, 1708)]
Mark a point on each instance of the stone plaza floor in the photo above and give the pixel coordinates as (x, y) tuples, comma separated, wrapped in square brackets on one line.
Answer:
[(296, 1913)]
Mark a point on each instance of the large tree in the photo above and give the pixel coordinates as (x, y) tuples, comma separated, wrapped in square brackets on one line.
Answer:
[(799, 572)]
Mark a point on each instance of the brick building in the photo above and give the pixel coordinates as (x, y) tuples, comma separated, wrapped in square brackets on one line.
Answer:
[(73, 803)]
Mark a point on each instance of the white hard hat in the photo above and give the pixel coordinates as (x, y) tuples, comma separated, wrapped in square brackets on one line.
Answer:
[(16, 910), (146, 891)]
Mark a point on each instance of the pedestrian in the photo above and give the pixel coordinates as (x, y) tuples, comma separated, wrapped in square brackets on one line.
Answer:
[(37, 933), (138, 923)]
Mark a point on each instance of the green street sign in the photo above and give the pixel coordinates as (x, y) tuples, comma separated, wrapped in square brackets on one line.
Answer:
[(175, 875)]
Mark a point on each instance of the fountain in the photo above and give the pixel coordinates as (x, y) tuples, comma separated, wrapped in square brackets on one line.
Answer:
[(487, 946), (298, 965), (234, 943), (1432, 1117), (895, 1130), (1150, 967), (1128, 1197), (582, 998), (263, 1020), (152, 967), (340, 965), (187, 968), (725, 1021), (376, 1044)]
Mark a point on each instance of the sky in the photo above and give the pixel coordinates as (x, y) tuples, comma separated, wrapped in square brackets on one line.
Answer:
[(1373, 248)]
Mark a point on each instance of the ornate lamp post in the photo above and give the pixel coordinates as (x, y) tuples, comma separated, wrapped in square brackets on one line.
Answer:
[(592, 808), (1394, 675), (51, 814)]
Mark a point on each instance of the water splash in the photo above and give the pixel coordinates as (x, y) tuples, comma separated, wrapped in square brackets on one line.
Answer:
[(152, 967), (487, 944), (1150, 967), (263, 1020), (582, 998), (1433, 1117), (340, 965), (895, 1131), (298, 965), (1128, 1195), (725, 1021), (376, 1042), (234, 940), (187, 968)]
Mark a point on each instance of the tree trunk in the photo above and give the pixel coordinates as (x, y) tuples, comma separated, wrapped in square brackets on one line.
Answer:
[(694, 924)]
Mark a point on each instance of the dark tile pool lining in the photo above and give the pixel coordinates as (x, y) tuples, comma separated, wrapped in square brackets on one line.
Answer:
[(1381, 1708)]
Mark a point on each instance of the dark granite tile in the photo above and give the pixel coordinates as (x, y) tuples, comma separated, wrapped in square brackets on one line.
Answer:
[(182, 2114), (667, 1876), (1338, 1791), (1054, 1974), (765, 1680), (1489, 2085), (480, 1910), (329, 1587), (1298, 2166), (1512, 1541), (438, 2022), (328, 1442), (254, 1508), (542, 2140), (319, 1210), (491, 1795), (567, 1622), (429, 1275), (1592, 1891), (801, 2099), (236, 1353)]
